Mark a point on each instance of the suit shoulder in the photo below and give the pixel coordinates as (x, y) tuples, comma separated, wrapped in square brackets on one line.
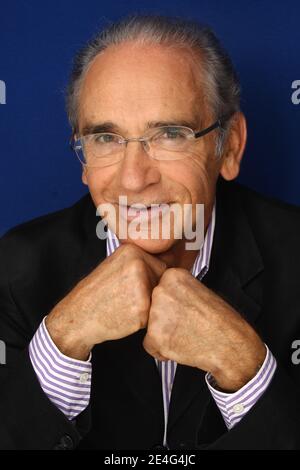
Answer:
[(56, 234), (62, 219), (269, 210), (273, 221)]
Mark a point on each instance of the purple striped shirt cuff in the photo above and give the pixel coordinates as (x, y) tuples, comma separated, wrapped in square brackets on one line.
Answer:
[(65, 381), (234, 406)]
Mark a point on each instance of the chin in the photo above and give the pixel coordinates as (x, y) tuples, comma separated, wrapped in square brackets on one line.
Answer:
[(151, 246)]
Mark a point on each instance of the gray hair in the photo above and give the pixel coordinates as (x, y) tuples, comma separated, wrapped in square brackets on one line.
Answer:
[(222, 87)]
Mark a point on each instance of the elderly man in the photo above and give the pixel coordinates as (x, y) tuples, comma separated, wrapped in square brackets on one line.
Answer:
[(139, 342)]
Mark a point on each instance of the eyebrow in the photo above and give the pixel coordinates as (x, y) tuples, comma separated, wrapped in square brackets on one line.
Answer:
[(109, 126)]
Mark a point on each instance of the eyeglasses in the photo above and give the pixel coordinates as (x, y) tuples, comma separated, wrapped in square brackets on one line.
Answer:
[(160, 143)]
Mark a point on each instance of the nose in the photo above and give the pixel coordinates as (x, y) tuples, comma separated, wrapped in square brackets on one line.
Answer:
[(137, 170)]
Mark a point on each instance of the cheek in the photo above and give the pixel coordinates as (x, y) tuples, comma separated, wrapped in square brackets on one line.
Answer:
[(195, 177), (98, 180)]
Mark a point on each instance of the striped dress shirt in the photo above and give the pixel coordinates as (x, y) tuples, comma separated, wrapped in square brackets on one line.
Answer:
[(67, 381)]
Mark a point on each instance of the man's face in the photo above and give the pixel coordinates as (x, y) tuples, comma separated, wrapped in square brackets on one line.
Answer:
[(134, 87)]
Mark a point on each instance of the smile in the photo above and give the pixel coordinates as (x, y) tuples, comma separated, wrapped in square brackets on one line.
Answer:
[(144, 211)]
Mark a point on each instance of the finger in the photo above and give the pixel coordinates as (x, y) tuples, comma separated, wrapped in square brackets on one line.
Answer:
[(159, 357), (148, 345), (152, 349)]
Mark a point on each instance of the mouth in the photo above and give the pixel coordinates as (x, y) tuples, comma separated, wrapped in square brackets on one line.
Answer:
[(144, 211)]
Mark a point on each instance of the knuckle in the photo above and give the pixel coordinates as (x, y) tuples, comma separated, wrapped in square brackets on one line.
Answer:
[(161, 294), (126, 251), (152, 338), (163, 351), (129, 249), (173, 273), (157, 291), (136, 267)]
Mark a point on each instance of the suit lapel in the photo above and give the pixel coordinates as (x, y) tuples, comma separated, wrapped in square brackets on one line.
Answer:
[(188, 383), (140, 372), (136, 372), (93, 248), (236, 265)]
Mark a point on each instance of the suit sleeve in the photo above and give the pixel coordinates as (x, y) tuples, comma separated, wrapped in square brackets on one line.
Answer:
[(273, 423), (28, 418), (235, 406)]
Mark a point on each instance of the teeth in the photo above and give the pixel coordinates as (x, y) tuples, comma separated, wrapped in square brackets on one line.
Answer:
[(142, 206), (138, 208)]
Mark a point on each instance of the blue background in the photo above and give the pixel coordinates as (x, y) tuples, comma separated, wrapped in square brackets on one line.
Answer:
[(38, 172)]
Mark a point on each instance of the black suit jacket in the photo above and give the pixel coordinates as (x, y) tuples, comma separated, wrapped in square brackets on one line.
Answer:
[(255, 266)]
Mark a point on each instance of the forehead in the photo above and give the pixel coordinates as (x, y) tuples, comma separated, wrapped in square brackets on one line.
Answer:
[(140, 81)]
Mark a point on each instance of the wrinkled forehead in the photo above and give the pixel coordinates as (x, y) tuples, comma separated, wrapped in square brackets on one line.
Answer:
[(143, 82)]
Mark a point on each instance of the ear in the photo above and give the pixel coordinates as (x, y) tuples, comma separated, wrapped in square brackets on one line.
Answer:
[(84, 175), (234, 147), (84, 169)]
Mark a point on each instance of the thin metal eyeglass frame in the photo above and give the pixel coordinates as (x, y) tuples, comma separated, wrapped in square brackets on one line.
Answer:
[(197, 135)]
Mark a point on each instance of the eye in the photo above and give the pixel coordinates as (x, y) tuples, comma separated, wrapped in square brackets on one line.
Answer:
[(173, 133), (105, 138)]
